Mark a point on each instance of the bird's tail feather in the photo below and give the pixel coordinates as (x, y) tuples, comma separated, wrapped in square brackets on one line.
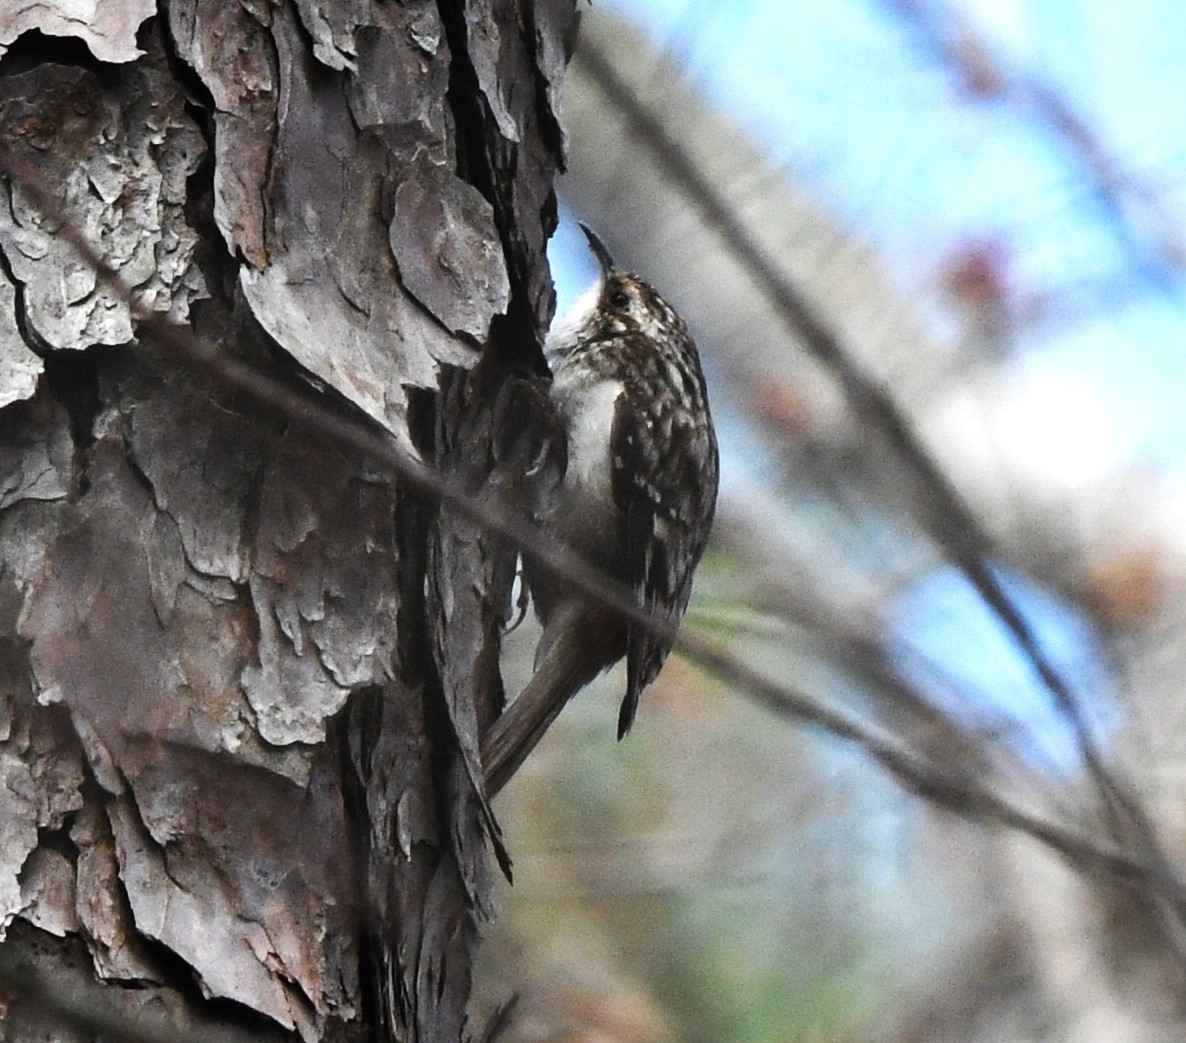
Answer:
[(564, 670)]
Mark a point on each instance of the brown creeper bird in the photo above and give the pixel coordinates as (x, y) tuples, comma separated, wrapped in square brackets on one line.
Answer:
[(636, 500)]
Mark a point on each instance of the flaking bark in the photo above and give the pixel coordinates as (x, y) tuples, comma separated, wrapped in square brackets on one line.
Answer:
[(239, 705)]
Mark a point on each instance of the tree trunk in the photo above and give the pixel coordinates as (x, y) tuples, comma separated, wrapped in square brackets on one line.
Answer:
[(244, 671)]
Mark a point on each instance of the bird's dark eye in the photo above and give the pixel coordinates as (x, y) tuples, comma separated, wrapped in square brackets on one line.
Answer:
[(619, 299)]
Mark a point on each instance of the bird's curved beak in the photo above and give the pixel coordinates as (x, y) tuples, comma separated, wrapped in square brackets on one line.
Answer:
[(599, 250)]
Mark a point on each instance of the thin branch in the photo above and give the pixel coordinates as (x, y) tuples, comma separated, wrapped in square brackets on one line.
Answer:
[(939, 784)]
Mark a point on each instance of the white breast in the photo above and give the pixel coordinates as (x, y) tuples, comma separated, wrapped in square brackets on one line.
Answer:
[(590, 414)]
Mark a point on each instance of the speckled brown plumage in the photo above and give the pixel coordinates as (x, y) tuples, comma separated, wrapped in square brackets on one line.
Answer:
[(637, 499)]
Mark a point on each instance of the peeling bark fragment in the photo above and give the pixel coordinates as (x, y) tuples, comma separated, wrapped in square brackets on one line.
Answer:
[(508, 145), (398, 92), (290, 692), (448, 251), (401, 848), (54, 760), (321, 521), (114, 162), (35, 452), (97, 643), (165, 553), (101, 906), (65, 964), (137, 643), (19, 367), (107, 27), (182, 453), (324, 589), (47, 892), (233, 55), (468, 596), (264, 928), (321, 279), (40, 768), (195, 919), (331, 27), (491, 28), (332, 298), (214, 638), (18, 830), (555, 31)]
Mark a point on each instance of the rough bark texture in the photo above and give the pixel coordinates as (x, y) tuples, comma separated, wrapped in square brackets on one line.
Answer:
[(242, 675)]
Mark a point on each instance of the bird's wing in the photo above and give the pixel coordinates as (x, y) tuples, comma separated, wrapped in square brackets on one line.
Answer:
[(666, 509)]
